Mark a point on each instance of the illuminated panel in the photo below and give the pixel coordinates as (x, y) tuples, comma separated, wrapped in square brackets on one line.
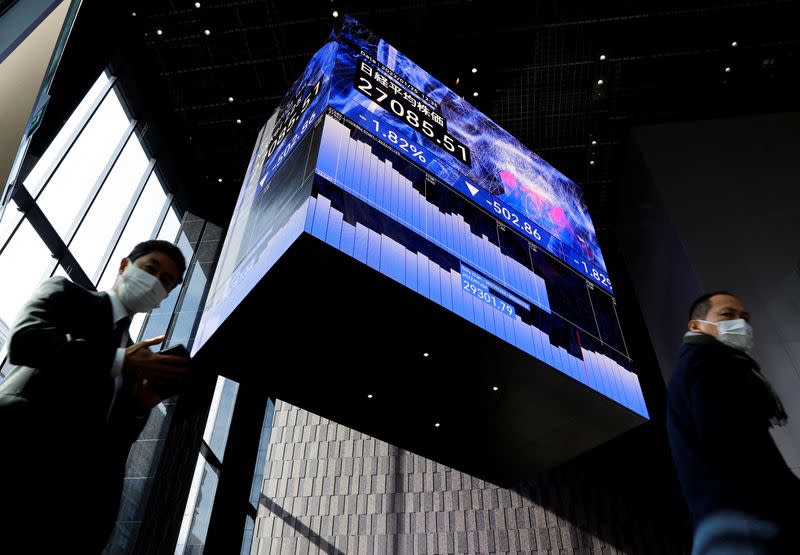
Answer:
[(371, 198), (376, 158), (395, 100)]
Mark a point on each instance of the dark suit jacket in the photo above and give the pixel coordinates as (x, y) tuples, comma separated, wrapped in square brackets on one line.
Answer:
[(59, 441)]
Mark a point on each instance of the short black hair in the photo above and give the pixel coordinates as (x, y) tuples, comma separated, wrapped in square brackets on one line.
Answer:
[(157, 245), (702, 305)]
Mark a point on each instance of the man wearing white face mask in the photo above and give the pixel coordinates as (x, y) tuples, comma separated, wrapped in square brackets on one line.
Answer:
[(743, 497), (76, 402)]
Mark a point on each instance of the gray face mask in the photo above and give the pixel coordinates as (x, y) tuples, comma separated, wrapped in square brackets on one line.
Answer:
[(734, 333)]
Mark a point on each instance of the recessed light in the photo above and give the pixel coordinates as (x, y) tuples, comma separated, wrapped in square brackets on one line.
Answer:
[(594, 142), (599, 81), (495, 388), (238, 120), (458, 80), (727, 70), (219, 179), (207, 32), (159, 32), (591, 162), (133, 14), (437, 424), (369, 395), (197, 4), (475, 94), (734, 44), (474, 70), (335, 13), (426, 355), (230, 99), (602, 57)]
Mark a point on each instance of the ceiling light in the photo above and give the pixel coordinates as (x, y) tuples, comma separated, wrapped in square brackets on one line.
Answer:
[(230, 99), (197, 4), (335, 13), (133, 14), (727, 70), (207, 32), (426, 355), (437, 424), (495, 388), (591, 162), (238, 121), (369, 395), (458, 80), (734, 44), (602, 57), (159, 32), (219, 179), (475, 94), (474, 70), (594, 142), (599, 81)]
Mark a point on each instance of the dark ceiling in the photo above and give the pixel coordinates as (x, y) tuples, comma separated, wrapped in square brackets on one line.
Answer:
[(539, 65)]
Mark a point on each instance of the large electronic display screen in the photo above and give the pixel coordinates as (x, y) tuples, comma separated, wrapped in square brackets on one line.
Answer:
[(376, 86), (374, 156)]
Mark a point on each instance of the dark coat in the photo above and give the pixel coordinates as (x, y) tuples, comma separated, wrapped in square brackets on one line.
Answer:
[(718, 418), (64, 456)]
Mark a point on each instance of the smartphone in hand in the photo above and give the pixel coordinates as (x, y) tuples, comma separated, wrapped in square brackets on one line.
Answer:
[(165, 389), (176, 350)]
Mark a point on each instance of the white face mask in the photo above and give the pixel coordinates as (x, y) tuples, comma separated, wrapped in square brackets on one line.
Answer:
[(734, 333), (138, 290)]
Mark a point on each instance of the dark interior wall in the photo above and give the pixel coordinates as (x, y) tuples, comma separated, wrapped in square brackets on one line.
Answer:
[(712, 205)]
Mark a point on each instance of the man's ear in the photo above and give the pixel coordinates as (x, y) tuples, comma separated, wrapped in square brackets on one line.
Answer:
[(694, 325), (122, 265)]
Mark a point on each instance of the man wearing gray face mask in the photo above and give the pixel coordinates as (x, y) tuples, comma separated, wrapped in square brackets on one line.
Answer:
[(76, 402), (743, 497)]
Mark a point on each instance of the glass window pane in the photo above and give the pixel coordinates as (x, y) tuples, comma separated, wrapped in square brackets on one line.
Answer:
[(60, 271), (139, 227), (136, 326), (190, 308), (194, 527), (11, 217), (219, 416), (169, 229), (22, 267), (105, 213), (72, 182), (38, 174)]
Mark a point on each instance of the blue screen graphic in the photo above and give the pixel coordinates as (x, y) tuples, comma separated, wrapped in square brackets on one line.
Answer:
[(389, 96), (370, 154)]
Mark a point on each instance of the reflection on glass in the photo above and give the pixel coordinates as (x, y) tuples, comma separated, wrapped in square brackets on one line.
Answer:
[(108, 208), (72, 182), (22, 267)]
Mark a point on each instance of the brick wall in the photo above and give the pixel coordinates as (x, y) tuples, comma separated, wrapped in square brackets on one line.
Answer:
[(330, 489)]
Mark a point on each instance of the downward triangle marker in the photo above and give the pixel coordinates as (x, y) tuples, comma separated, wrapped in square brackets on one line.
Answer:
[(472, 188)]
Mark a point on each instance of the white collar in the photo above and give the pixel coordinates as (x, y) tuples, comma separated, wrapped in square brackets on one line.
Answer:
[(118, 310)]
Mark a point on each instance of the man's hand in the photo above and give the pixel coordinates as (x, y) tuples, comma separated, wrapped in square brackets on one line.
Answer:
[(144, 397), (148, 368), (141, 362)]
